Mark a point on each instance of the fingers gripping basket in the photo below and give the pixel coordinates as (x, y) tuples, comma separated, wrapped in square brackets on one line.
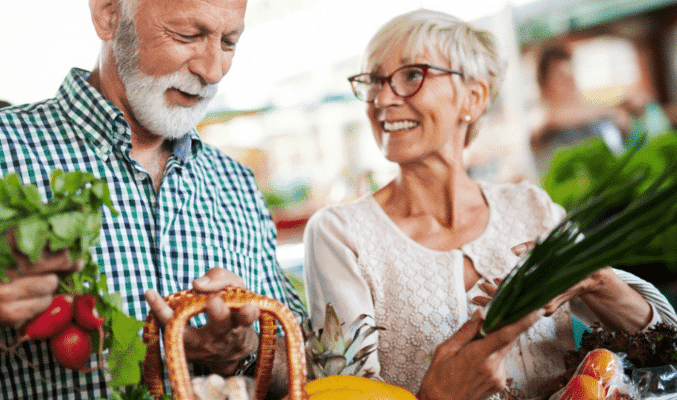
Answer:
[(188, 303)]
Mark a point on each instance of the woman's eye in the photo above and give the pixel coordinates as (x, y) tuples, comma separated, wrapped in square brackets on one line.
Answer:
[(413, 74)]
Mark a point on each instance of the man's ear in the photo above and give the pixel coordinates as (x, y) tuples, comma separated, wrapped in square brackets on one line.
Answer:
[(105, 16), (477, 97)]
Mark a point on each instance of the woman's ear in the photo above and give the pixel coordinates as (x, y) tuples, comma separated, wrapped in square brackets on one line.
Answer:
[(105, 16), (477, 97)]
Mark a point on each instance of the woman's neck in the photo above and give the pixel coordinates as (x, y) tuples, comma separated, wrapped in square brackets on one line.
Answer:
[(442, 192)]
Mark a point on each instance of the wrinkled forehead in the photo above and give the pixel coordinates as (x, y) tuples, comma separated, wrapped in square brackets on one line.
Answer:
[(129, 7)]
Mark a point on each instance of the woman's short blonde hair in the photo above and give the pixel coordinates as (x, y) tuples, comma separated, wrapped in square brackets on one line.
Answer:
[(471, 51)]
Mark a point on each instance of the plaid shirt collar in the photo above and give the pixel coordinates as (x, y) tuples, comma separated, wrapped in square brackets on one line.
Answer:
[(104, 123)]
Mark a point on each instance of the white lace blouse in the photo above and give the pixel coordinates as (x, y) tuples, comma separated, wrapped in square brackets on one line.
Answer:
[(358, 259)]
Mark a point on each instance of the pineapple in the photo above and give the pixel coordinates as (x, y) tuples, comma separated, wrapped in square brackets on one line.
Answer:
[(330, 352)]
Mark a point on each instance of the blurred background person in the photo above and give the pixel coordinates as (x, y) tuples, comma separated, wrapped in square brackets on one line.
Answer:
[(569, 118)]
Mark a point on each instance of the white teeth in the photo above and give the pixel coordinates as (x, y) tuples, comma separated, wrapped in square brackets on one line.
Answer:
[(399, 125)]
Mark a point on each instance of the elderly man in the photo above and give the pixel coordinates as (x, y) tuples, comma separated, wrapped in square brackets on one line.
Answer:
[(188, 214)]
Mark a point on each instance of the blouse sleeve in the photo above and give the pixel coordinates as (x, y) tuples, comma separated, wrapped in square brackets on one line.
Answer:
[(661, 307), (332, 275)]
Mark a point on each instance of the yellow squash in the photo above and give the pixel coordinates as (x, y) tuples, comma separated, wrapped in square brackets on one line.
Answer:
[(350, 387)]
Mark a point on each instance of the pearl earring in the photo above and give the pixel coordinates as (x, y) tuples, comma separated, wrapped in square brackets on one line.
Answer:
[(467, 118)]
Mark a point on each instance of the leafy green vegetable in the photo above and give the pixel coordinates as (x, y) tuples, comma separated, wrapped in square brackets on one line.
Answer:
[(139, 392), (126, 351), (72, 220), (613, 224), (577, 169)]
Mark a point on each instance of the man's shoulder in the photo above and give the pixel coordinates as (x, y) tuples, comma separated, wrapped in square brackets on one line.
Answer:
[(27, 123), (28, 114)]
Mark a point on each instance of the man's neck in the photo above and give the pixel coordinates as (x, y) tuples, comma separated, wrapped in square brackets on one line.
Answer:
[(152, 156), (148, 149)]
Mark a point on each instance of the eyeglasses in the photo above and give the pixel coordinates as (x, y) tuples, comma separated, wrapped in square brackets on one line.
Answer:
[(405, 81)]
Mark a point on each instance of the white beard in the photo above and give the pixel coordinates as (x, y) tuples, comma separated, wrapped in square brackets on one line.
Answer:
[(146, 94)]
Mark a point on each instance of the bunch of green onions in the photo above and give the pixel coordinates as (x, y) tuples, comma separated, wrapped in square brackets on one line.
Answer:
[(609, 228)]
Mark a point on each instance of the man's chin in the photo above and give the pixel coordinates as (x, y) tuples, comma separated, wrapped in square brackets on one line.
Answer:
[(171, 127)]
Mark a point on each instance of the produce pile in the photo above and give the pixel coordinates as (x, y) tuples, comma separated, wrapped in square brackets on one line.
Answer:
[(84, 317), (597, 377), (655, 347), (630, 366)]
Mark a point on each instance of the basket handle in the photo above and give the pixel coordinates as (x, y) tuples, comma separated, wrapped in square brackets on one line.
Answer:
[(188, 303)]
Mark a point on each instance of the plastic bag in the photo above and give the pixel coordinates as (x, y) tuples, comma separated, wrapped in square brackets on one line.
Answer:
[(600, 376), (655, 383)]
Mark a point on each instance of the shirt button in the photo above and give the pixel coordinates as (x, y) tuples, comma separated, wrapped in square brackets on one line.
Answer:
[(139, 176)]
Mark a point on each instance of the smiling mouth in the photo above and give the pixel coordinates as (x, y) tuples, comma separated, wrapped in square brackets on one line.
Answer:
[(399, 125), (180, 98), (188, 95)]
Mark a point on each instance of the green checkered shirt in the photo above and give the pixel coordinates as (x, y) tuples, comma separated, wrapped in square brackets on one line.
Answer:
[(208, 213)]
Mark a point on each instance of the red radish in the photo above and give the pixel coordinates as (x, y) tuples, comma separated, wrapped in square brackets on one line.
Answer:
[(86, 315), (49, 322), (72, 347)]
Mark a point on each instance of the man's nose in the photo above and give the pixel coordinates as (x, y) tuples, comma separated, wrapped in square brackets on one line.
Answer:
[(211, 63)]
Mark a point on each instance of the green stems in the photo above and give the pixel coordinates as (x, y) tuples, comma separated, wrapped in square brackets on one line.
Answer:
[(610, 228)]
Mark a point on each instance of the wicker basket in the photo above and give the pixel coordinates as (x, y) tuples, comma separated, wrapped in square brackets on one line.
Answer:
[(188, 303)]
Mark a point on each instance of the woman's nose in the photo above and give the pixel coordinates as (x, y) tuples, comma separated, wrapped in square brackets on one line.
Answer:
[(386, 96)]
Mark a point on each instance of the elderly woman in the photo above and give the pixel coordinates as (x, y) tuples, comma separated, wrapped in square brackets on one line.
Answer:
[(416, 253)]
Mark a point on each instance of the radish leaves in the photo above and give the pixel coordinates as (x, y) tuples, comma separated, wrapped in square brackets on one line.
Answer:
[(72, 219)]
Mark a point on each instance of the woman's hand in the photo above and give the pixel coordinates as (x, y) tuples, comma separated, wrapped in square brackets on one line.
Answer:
[(467, 369), (613, 301), (490, 290), (227, 337)]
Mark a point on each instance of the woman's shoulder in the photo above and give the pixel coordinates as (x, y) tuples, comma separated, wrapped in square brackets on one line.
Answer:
[(523, 191), (342, 214), (524, 202)]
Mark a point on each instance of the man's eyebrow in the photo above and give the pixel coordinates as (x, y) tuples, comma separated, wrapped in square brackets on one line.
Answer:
[(205, 29), (235, 31)]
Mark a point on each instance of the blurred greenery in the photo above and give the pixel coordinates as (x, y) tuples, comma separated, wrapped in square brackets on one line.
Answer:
[(576, 170), (287, 196), (297, 283)]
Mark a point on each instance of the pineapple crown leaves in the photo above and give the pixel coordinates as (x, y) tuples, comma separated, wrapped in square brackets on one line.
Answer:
[(331, 352)]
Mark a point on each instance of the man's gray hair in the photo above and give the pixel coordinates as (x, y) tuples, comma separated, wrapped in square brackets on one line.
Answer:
[(128, 8), (126, 44)]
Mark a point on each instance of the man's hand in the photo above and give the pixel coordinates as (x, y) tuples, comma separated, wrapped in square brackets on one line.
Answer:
[(467, 369), (227, 337), (31, 286)]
